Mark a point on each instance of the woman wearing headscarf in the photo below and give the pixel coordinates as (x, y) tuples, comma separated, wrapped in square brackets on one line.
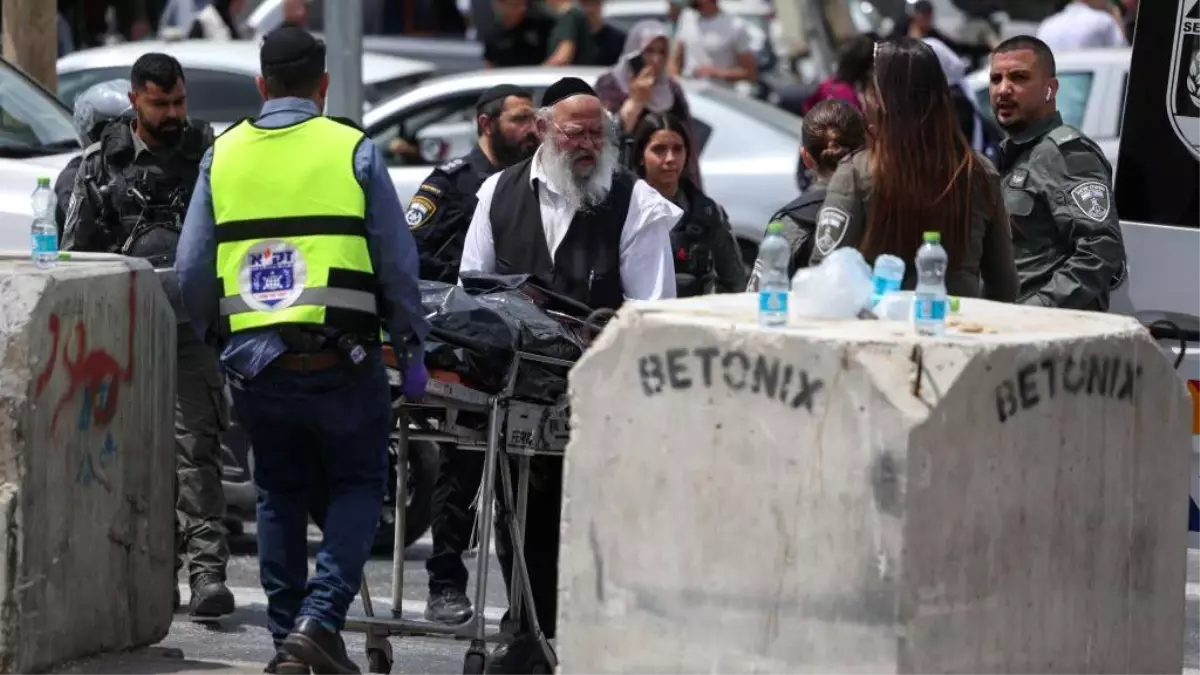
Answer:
[(639, 84)]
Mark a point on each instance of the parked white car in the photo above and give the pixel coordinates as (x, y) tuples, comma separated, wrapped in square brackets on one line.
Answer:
[(220, 75), (748, 153), (1091, 93), (37, 138)]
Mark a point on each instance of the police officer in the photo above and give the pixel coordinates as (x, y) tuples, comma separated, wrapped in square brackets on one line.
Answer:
[(1057, 187), (130, 195), (94, 109), (440, 212), (833, 129), (439, 215), (291, 263)]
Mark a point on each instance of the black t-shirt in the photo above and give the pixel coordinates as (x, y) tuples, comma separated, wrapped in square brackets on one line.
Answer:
[(526, 44)]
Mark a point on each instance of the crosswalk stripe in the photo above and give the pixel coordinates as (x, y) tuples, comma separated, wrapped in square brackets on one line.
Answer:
[(413, 609)]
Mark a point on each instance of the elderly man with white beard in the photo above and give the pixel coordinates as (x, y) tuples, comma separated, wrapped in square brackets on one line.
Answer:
[(590, 230)]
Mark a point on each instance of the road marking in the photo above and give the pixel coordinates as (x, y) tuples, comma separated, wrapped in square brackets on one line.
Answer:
[(413, 609)]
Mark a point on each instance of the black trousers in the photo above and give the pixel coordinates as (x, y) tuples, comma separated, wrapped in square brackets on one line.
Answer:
[(543, 513), (453, 518)]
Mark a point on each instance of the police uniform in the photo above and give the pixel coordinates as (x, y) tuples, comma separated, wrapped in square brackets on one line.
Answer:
[(292, 266), (130, 199), (440, 211), (799, 219), (985, 267), (1067, 238), (707, 257)]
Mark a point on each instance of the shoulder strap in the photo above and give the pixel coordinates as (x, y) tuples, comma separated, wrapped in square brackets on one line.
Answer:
[(235, 125), (1064, 134), (809, 198)]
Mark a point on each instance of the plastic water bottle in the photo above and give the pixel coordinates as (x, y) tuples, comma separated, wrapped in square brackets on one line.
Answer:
[(887, 276), (929, 298), (773, 283), (44, 231)]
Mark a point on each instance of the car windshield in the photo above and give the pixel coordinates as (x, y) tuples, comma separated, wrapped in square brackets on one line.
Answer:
[(777, 118), (32, 122)]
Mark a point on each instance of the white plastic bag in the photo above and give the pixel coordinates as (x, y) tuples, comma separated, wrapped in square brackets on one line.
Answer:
[(839, 288)]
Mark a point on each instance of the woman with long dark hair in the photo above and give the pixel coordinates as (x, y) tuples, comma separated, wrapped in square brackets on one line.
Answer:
[(707, 257), (920, 174)]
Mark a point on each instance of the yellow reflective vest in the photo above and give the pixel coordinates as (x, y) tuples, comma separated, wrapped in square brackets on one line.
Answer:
[(291, 235)]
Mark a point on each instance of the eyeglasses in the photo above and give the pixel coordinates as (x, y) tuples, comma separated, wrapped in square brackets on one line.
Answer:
[(577, 135)]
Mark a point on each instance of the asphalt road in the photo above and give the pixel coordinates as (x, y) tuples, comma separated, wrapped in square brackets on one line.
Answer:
[(243, 638), (242, 644)]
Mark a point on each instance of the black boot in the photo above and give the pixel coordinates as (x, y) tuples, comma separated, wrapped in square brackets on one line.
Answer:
[(319, 647), (211, 600), (450, 607), (284, 663)]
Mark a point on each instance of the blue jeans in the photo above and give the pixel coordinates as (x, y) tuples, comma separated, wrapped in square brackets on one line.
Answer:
[(316, 436)]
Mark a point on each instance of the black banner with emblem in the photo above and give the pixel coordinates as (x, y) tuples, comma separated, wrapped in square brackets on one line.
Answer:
[(1158, 174)]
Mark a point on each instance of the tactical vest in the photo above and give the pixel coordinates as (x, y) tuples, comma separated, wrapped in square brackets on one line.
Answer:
[(291, 233), (149, 201), (691, 247), (587, 263)]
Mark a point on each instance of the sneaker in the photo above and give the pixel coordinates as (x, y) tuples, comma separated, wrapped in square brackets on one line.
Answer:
[(450, 607), (211, 600)]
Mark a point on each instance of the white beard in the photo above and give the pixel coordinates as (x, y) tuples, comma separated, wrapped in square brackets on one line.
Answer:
[(582, 192)]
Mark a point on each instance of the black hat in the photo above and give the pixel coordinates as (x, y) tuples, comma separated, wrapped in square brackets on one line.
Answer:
[(288, 46), (922, 7), (501, 92), (566, 88)]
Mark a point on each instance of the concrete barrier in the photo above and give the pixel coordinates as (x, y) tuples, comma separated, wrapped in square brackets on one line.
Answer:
[(87, 389), (843, 497)]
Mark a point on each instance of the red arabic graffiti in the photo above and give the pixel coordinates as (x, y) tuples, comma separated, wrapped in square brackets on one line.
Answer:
[(92, 371)]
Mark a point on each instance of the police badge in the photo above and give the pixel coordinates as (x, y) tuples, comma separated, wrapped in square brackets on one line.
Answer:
[(831, 228), (1092, 198), (1183, 89), (419, 211)]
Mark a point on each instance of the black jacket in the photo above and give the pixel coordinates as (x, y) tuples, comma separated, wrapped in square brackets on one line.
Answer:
[(707, 257)]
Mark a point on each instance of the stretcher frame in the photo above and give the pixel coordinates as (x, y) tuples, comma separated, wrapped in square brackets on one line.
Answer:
[(529, 429)]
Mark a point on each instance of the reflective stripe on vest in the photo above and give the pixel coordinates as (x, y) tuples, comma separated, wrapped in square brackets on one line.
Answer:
[(291, 236)]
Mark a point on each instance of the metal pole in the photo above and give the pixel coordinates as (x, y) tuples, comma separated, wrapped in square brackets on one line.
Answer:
[(343, 35)]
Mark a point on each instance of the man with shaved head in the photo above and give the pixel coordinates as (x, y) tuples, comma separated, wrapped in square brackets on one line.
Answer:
[(590, 230)]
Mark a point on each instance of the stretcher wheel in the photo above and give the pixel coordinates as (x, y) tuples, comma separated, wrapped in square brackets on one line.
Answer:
[(474, 662), (379, 661)]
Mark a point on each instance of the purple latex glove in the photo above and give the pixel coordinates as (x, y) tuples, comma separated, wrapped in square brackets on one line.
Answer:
[(413, 381)]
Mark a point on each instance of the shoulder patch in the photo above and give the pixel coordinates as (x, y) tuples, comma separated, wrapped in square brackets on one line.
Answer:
[(430, 188), (420, 210), (1093, 199), (1064, 134), (831, 228), (1018, 178), (453, 165)]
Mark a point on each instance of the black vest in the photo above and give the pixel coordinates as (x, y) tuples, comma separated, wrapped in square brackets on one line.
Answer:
[(691, 245), (587, 265), (150, 200)]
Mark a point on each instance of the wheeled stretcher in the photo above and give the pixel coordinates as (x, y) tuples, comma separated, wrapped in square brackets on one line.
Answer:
[(501, 426)]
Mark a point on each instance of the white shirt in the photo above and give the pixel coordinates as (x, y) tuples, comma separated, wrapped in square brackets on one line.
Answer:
[(714, 41), (1078, 26), (647, 265)]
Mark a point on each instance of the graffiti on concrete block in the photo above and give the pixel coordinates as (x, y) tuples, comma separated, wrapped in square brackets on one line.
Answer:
[(94, 376), (94, 465)]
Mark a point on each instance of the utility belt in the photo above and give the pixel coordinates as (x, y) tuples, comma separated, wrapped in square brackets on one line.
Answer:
[(314, 349)]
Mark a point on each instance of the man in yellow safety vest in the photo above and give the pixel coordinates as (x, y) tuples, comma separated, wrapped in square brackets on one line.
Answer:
[(293, 258)]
